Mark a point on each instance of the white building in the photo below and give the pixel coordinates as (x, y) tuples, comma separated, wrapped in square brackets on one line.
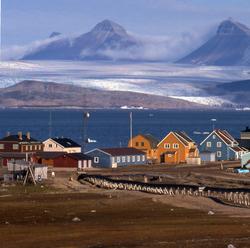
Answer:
[(61, 145)]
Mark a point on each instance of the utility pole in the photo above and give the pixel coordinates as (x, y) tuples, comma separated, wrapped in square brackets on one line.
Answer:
[(0, 30), (131, 129), (50, 124), (86, 116), (213, 122)]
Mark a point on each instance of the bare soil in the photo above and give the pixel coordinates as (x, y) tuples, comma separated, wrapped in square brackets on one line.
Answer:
[(42, 217)]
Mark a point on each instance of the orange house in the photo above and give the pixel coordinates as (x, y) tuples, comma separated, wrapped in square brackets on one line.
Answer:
[(176, 148), (146, 143)]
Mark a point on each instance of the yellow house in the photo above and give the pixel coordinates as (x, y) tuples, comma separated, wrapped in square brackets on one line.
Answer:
[(176, 148), (146, 143)]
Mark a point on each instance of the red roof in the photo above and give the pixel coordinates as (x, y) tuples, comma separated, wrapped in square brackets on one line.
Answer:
[(226, 137), (124, 151)]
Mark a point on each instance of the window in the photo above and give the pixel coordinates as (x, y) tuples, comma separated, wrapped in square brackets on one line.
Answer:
[(142, 143), (35, 147), (133, 159), (1, 146), (50, 145), (123, 159), (31, 148), (96, 160), (214, 136), (128, 159), (39, 147), (167, 146), (175, 146), (143, 158), (118, 159), (218, 154), (209, 144), (138, 158), (136, 143), (15, 146), (170, 155), (218, 144)]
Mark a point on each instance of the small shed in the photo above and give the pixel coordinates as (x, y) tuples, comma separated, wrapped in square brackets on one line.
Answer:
[(207, 156), (40, 172), (18, 168), (11, 156), (245, 159)]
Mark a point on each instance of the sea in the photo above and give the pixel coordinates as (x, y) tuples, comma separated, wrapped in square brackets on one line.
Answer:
[(111, 128)]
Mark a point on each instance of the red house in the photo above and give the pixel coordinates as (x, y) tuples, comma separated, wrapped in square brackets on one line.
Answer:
[(63, 159), (20, 143)]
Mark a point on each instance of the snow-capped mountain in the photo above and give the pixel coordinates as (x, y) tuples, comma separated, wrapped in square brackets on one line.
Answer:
[(105, 37), (229, 46)]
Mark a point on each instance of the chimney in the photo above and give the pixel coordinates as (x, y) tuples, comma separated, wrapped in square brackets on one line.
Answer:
[(20, 135), (7, 134), (28, 135)]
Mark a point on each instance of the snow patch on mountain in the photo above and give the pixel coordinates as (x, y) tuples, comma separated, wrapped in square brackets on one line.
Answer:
[(206, 100)]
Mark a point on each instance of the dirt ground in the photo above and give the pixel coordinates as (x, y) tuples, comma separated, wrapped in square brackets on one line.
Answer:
[(66, 214), (89, 217)]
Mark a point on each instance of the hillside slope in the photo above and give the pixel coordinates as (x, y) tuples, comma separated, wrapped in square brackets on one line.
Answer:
[(44, 94)]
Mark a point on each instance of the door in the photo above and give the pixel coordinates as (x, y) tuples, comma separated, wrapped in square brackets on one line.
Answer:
[(163, 158), (85, 165), (79, 164)]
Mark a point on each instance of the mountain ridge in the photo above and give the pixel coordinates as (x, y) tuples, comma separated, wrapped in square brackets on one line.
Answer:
[(106, 35), (230, 46)]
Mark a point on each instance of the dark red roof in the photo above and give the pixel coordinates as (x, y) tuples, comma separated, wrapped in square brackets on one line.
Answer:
[(16, 138), (50, 155), (12, 155), (122, 151), (53, 155)]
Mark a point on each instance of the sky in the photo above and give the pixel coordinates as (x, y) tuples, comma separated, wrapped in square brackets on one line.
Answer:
[(26, 21)]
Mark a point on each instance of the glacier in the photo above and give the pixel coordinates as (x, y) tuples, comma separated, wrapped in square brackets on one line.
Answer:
[(177, 81)]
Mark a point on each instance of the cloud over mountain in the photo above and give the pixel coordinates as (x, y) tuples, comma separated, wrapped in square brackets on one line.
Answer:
[(108, 41)]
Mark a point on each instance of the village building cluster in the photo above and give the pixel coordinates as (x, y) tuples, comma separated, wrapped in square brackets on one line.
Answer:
[(175, 148)]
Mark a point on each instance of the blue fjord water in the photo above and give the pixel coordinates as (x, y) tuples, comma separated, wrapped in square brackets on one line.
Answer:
[(110, 128)]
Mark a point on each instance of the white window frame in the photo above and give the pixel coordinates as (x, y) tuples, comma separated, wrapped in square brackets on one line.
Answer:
[(15, 146), (1, 146), (128, 159), (133, 159), (176, 146), (143, 158), (214, 136), (124, 159), (209, 144), (219, 144), (138, 158), (96, 160), (219, 154), (167, 146), (118, 160), (50, 145), (170, 155)]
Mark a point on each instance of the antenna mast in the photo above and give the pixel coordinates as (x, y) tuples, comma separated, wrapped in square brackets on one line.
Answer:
[(50, 124), (131, 129)]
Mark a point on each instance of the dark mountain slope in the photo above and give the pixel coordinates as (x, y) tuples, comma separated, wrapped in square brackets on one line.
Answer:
[(230, 46), (40, 94)]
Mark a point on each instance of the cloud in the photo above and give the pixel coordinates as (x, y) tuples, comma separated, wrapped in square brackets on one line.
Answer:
[(150, 48), (17, 52), (160, 48)]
